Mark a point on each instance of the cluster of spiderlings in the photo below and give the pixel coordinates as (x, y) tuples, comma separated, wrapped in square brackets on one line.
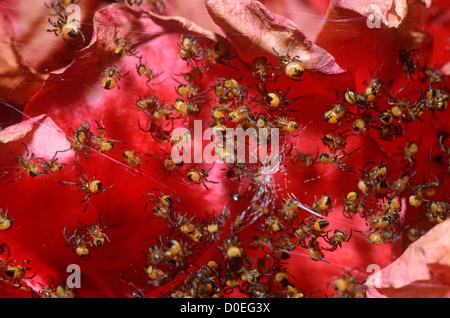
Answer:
[(390, 121), (258, 269), (378, 197), (83, 140), (279, 230)]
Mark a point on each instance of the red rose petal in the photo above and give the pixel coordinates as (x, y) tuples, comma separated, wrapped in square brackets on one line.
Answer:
[(28, 235), (70, 96), (76, 99)]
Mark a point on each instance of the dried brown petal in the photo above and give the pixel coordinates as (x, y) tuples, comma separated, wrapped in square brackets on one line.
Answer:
[(252, 26), (17, 81)]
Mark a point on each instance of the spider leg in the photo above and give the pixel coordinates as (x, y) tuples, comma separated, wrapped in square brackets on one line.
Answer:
[(159, 140), (82, 35), (146, 83), (64, 233), (29, 277), (204, 184), (108, 188), (19, 284), (62, 14), (52, 23), (150, 201), (20, 177), (156, 76), (441, 144), (289, 48), (109, 242), (188, 183), (4, 246), (87, 199)]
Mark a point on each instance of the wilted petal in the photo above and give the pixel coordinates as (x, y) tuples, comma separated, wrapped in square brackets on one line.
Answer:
[(195, 12), (17, 82), (75, 94), (250, 23), (307, 15), (390, 13), (421, 271), (373, 34), (41, 50)]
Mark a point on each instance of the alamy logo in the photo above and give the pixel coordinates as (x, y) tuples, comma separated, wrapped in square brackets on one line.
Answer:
[(374, 280), (74, 15), (74, 279)]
